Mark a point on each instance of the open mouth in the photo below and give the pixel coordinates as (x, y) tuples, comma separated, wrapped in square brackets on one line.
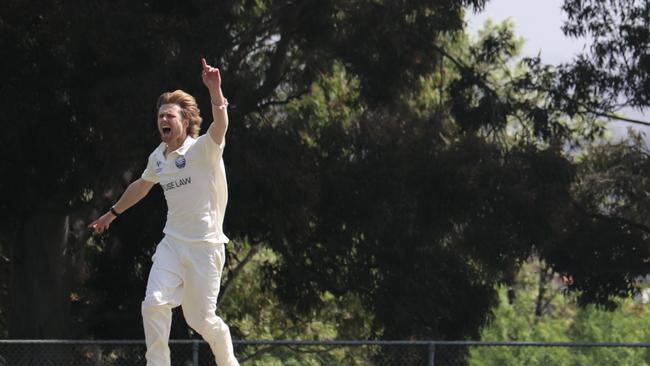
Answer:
[(166, 131)]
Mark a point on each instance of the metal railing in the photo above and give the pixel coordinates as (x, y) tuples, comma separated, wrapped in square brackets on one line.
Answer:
[(317, 353)]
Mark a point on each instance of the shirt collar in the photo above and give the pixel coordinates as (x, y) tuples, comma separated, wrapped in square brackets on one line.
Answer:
[(189, 141)]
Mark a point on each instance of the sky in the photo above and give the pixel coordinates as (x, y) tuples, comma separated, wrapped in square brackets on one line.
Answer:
[(539, 23)]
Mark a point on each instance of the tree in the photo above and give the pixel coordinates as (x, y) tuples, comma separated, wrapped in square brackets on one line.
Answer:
[(433, 212), (377, 163), (86, 72), (618, 62), (384, 228)]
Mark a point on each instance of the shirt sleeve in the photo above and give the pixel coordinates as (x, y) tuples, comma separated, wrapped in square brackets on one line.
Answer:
[(150, 173), (210, 149)]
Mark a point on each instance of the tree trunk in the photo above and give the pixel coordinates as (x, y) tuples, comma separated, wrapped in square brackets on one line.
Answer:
[(38, 284), (545, 276)]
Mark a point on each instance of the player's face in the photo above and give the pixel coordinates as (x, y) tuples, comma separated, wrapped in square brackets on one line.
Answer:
[(171, 125)]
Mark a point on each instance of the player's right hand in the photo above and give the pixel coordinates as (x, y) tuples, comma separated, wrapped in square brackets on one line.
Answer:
[(102, 224)]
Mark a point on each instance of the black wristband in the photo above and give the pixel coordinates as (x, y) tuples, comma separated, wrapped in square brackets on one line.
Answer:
[(114, 212)]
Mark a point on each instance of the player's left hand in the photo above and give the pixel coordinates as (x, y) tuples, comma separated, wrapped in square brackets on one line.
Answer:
[(211, 76)]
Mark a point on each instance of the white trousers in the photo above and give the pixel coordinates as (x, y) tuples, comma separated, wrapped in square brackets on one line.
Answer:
[(186, 274)]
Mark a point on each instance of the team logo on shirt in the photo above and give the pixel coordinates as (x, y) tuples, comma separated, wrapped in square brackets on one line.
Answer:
[(180, 162)]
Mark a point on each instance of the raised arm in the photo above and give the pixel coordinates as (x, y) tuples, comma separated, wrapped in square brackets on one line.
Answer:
[(212, 80), (132, 195)]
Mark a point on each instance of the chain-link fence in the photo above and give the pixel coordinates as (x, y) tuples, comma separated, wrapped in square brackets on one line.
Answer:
[(334, 353)]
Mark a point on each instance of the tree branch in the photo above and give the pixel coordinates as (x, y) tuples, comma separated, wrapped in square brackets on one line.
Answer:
[(613, 219), (261, 351), (273, 75), (235, 272), (460, 65), (624, 119), (286, 100)]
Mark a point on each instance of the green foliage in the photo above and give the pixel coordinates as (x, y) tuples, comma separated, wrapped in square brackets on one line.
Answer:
[(82, 84), (254, 311), (562, 321), (618, 61), (611, 202), (395, 173), (390, 229)]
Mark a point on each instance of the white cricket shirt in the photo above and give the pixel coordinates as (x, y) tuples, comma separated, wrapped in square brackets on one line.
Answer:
[(193, 178)]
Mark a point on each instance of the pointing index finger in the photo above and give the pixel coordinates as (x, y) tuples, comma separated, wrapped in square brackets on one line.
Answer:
[(204, 64)]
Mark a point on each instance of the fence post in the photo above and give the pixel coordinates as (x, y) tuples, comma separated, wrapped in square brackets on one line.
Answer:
[(432, 354), (195, 353)]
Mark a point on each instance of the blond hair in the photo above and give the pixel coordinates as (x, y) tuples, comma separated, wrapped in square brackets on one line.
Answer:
[(189, 109)]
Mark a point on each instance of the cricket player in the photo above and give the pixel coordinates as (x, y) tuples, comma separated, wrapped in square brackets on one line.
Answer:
[(188, 262)]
